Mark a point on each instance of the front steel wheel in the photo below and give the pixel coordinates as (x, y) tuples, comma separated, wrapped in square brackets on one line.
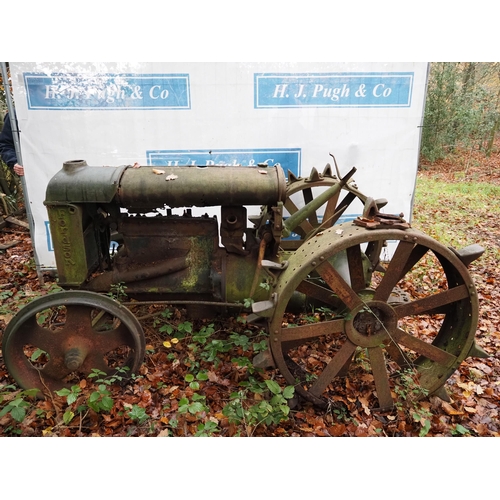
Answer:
[(61, 337)]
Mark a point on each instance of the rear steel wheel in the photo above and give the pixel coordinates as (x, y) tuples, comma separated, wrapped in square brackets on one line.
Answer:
[(60, 337), (418, 312)]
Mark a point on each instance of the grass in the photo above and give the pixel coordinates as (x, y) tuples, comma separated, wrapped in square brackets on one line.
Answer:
[(479, 194), (457, 214)]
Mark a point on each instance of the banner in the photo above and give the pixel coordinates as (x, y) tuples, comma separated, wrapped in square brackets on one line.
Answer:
[(367, 115)]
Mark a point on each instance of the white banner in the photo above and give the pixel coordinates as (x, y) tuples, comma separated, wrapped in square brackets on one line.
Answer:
[(367, 115)]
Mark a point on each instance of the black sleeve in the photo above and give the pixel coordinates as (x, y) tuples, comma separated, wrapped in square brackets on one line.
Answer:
[(7, 148)]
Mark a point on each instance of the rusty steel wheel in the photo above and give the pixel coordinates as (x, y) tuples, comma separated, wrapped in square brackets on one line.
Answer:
[(61, 337), (418, 312), (300, 191)]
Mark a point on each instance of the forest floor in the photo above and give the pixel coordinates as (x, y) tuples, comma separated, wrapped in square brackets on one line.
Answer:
[(197, 379)]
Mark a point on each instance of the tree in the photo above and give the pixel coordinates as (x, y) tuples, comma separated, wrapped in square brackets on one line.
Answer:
[(462, 108)]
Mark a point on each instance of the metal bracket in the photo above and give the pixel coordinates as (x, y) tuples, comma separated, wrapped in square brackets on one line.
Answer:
[(382, 221), (265, 307), (277, 266)]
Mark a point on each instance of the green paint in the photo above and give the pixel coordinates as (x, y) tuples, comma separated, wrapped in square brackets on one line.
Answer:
[(199, 263)]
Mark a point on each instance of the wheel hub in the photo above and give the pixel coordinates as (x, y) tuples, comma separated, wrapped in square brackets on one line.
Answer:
[(370, 324), (74, 358)]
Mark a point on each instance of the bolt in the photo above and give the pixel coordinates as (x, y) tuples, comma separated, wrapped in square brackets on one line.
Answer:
[(74, 358)]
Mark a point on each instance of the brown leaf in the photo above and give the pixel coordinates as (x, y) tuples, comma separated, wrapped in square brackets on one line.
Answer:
[(450, 410), (337, 430)]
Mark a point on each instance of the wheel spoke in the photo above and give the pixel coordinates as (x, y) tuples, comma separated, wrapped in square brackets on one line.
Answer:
[(318, 292), (108, 340), (55, 369), (345, 368), (31, 333), (330, 211), (305, 226), (373, 253), (356, 268), (292, 208), (77, 317), (333, 279), (394, 271), (379, 370), (423, 348), (343, 356), (95, 361), (342, 207), (396, 354), (416, 254), (312, 331), (433, 303), (308, 197)]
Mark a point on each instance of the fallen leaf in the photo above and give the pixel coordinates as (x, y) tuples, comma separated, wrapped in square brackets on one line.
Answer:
[(337, 430), (449, 409)]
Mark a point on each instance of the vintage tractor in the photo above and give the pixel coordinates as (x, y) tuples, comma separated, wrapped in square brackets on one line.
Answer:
[(375, 279)]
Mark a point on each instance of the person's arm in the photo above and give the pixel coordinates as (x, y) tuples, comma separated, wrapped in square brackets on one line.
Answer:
[(8, 149)]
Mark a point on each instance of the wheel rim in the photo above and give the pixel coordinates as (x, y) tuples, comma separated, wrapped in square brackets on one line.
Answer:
[(368, 315), (63, 336)]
